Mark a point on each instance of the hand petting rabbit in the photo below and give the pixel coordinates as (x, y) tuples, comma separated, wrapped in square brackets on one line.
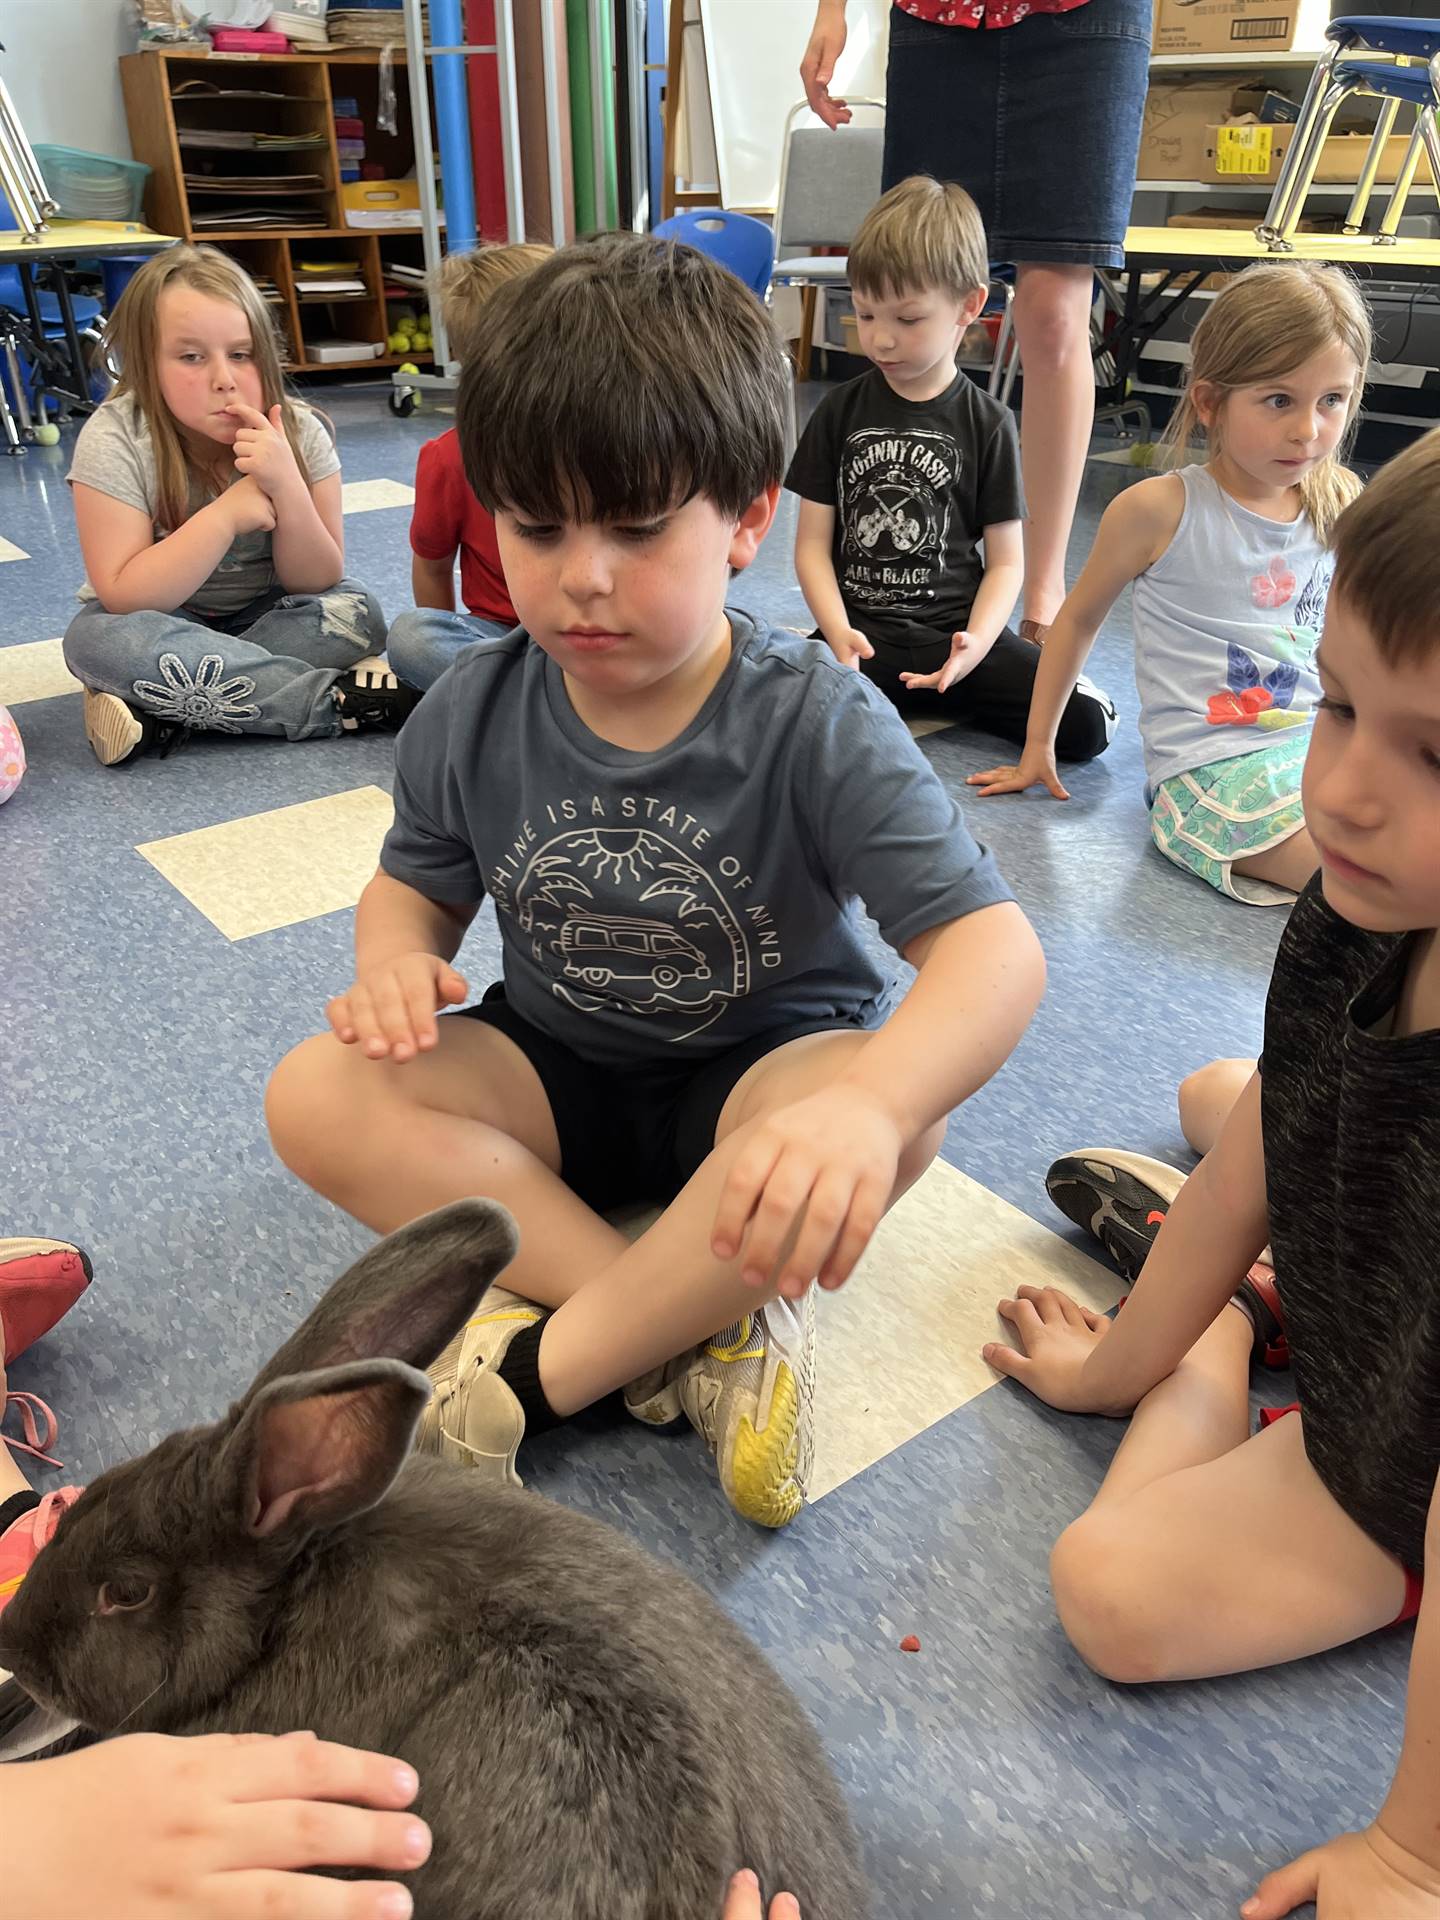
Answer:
[(593, 1735)]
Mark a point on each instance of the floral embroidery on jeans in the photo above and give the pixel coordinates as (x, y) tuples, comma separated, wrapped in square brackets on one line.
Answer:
[(206, 701)]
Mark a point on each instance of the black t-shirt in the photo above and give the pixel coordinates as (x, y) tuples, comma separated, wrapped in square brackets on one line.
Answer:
[(914, 484), (1351, 1121)]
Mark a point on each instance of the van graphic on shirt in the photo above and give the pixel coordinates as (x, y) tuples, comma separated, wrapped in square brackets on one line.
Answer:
[(600, 948), (628, 920), (894, 502)]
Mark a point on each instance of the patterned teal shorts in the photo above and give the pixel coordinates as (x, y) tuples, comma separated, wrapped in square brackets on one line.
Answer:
[(1207, 819)]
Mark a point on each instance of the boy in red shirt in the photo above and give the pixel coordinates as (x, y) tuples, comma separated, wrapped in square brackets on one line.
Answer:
[(424, 640)]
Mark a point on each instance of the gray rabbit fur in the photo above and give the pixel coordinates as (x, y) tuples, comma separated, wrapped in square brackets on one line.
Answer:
[(595, 1739)]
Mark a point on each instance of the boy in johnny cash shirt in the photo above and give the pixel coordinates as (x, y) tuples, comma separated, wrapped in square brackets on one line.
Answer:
[(674, 811), (902, 472)]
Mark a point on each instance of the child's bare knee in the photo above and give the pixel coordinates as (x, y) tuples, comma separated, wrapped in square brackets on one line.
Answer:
[(1096, 1582), (1206, 1097), (918, 1155), (307, 1096)]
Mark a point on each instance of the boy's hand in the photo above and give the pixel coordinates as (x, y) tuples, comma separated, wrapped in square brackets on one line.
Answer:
[(262, 449), (850, 647), (1036, 769), (390, 1014), (1057, 1337), (250, 508), (1359, 1876), (832, 1157), (962, 658)]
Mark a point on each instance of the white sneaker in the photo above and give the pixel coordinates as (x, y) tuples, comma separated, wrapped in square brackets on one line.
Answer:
[(749, 1392), (474, 1418)]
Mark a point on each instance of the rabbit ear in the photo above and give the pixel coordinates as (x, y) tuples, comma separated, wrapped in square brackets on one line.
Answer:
[(319, 1448), (407, 1297)]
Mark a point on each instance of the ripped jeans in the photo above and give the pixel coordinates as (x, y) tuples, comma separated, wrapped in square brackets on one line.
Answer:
[(270, 668)]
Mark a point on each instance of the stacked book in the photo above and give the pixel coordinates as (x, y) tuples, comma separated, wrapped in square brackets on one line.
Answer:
[(305, 31), (349, 137), (369, 23), (326, 280)]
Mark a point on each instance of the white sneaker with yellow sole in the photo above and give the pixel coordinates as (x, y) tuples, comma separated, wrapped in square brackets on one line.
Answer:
[(749, 1392)]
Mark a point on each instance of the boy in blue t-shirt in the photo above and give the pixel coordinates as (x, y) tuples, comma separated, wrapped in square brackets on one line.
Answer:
[(675, 811)]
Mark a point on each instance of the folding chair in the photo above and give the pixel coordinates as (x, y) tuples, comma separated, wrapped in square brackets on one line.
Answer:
[(1394, 80)]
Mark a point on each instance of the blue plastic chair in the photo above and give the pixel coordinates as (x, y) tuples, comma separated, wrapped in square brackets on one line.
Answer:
[(738, 241), (1410, 74)]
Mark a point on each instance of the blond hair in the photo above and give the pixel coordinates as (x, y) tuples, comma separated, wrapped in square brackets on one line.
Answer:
[(1265, 323), (1387, 555), (464, 282), (132, 336), (923, 235)]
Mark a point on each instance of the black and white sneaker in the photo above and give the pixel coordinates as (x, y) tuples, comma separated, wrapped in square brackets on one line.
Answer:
[(117, 731), (371, 697), (1108, 714), (1120, 1199)]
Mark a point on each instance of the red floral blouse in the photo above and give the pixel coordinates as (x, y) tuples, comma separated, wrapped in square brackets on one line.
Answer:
[(982, 13)]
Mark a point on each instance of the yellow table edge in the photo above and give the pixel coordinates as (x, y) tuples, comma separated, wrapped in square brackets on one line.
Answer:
[(1221, 244)]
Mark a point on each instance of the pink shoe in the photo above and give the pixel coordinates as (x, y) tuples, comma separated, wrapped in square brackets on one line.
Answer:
[(23, 1538), (40, 1280)]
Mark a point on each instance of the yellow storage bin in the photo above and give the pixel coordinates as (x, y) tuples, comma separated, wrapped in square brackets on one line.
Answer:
[(381, 203)]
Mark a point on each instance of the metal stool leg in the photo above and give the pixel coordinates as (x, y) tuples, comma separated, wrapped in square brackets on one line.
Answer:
[(1355, 218), (1002, 376), (1303, 177), (1404, 180), (1269, 231)]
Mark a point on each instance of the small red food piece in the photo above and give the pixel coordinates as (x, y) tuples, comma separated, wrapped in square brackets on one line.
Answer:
[(910, 1644)]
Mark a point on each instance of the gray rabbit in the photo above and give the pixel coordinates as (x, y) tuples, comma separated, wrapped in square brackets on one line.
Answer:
[(595, 1739)]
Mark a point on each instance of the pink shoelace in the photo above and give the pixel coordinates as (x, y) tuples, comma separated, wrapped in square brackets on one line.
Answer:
[(39, 1426)]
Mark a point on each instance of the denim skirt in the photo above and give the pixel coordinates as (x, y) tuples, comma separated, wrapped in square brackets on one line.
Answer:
[(1040, 121)]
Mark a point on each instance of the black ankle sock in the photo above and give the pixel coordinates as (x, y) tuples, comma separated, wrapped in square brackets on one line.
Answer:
[(18, 1503), (520, 1370)]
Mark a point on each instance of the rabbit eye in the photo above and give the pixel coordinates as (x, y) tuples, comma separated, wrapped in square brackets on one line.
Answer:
[(124, 1596)]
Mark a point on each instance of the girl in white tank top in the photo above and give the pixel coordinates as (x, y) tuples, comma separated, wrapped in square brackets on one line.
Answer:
[(1230, 565)]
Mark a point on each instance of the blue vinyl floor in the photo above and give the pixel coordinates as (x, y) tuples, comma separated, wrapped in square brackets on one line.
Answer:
[(990, 1775)]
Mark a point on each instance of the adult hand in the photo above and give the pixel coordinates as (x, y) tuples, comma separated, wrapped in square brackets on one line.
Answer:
[(1036, 769), (963, 658), (817, 68), (219, 1827), (1359, 1876), (262, 449), (743, 1901), (1057, 1337), (250, 508), (390, 1012), (831, 1157), (850, 647)]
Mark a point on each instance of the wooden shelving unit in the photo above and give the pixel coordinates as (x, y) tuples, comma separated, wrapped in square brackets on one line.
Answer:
[(162, 102)]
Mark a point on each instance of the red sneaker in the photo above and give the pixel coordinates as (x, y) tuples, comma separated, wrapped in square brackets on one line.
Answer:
[(23, 1538), (40, 1280)]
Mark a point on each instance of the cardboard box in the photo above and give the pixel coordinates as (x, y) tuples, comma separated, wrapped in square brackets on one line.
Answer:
[(1178, 116), (1255, 154), (1240, 26), (1246, 155), (1343, 155)]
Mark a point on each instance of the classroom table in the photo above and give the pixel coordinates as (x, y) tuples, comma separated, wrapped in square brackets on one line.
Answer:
[(63, 243), (1165, 265)]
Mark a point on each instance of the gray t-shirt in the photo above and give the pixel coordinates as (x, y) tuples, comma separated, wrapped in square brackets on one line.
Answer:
[(113, 454), (697, 896)]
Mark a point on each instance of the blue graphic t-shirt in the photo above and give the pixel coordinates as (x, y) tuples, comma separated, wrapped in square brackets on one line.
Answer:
[(697, 896)]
